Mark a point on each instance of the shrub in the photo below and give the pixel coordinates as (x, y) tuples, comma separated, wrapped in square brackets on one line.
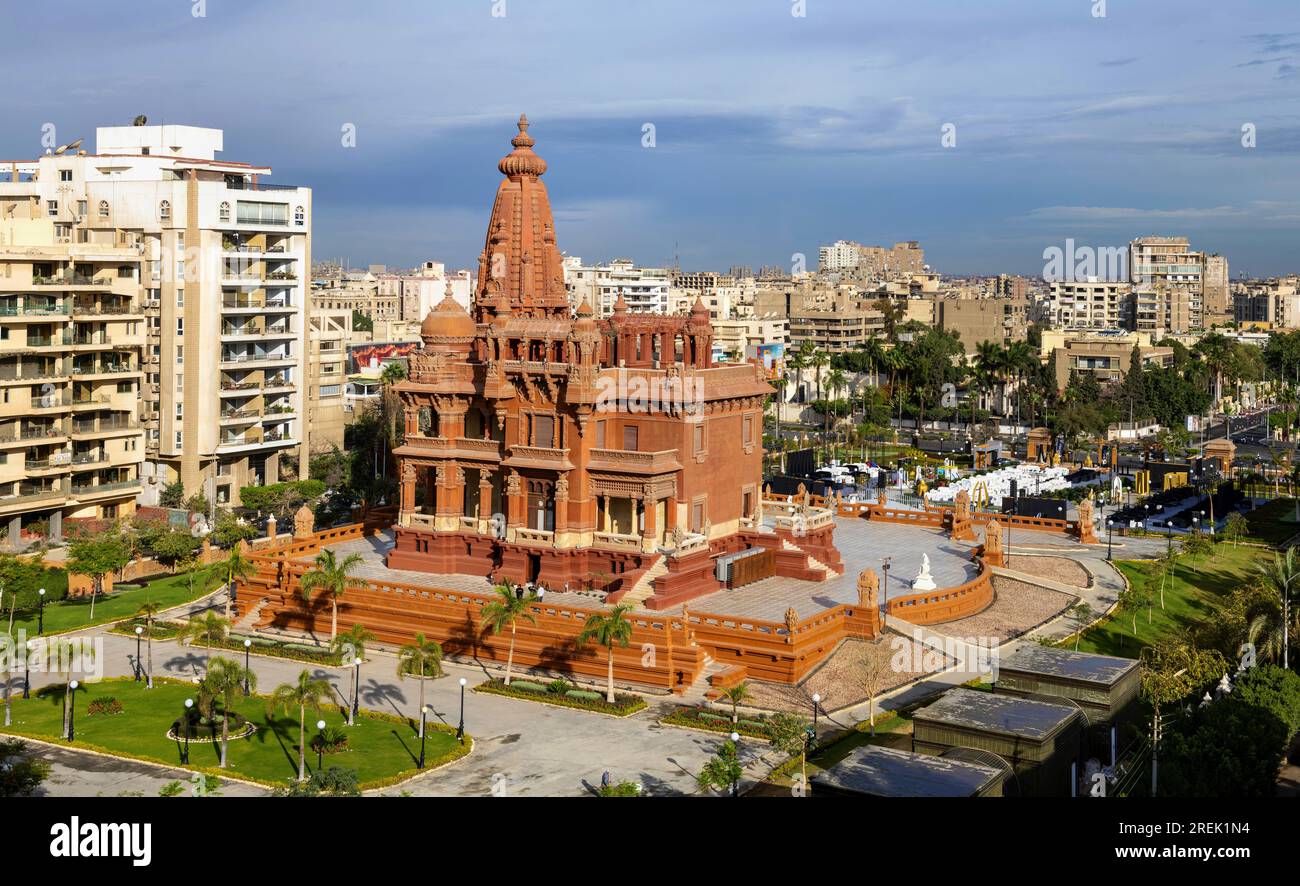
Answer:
[(527, 686), (585, 695), (559, 687), (574, 698), (331, 740), (105, 704), (622, 789), (171, 789)]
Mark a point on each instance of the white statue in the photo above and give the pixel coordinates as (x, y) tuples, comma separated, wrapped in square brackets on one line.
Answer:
[(924, 581)]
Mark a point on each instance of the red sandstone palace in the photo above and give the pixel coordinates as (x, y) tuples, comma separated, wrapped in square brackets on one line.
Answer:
[(548, 447)]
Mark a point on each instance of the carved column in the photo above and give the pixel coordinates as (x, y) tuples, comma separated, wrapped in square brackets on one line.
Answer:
[(516, 501), (484, 494), (407, 504), (649, 531), (562, 503)]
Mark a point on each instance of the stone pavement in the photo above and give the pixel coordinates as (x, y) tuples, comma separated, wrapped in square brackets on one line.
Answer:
[(523, 748)]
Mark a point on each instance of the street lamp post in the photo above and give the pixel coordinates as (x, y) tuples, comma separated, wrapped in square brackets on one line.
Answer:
[(40, 612), (27, 673), (248, 645), (356, 688), (138, 632), (460, 730), (185, 724), (320, 745), (1110, 537), (72, 711), (816, 701), (424, 711), (735, 780), (884, 594)]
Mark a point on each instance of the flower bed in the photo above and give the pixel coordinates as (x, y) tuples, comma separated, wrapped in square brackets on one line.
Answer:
[(168, 630), (552, 694), (702, 718)]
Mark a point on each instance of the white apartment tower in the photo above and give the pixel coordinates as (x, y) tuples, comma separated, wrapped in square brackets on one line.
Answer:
[(225, 260)]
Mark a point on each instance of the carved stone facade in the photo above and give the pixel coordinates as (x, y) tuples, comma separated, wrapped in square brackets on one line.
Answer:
[(558, 447)]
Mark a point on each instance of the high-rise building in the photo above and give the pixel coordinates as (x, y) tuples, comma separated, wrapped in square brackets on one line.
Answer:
[(1168, 280), (71, 338), (643, 289), (225, 259)]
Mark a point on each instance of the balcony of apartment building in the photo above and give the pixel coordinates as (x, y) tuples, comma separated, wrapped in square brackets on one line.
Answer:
[(236, 356), (99, 336), (46, 460), (104, 483), (90, 306), (19, 495), (104, 365), (257, 245), (78, 277), (38, 339), (258, 301), (279, 408), (240, 438), (25, 433), (16, 308), (111, 424), (246, 328), (237, 383)]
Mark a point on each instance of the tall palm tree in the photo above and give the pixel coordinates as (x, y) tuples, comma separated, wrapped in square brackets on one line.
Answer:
[(307, 692), (736, 695), (64, 654), (333, 578), (389, 376), (798, 361), (236, 567), (207, 629), (1279, 576), (608, 629), (351, 645), (149, 611), (872, 350), (420, 659), (225, 681), (819, 361), (1022, 360), (836, 381), (991, 360), (506, 610)]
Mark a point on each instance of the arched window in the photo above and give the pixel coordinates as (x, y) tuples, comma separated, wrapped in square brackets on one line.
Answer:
[(165, 211), (225, 212), (103, 209), (299, 216)]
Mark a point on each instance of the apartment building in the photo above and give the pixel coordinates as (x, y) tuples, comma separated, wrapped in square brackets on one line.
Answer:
[(414, 294), (225, 260), (1272, 303), (644, 290), (740, 338), (976, 320), (71, 340), (1106, 354), (871, 262), (1168, 280), (836, 330), (1092, 304), (329, 332)]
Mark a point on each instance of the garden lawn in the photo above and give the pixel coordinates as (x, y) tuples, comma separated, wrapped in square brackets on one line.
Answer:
[(71, 615), (1193, 595), (380, 751), (893, 729), (1273, 523)]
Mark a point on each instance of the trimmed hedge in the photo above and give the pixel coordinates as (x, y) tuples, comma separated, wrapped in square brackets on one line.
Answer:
[(624, 705), (167, 630)]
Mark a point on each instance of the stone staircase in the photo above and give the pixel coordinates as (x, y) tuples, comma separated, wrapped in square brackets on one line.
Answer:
[(644, 589), (813, 563), (249, 620)]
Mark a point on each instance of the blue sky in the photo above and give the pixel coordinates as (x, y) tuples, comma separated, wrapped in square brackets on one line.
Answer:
[(774, 133)]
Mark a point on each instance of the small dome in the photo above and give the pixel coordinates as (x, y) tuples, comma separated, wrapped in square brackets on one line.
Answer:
[(447, 320), (698, 308), (522, 160)]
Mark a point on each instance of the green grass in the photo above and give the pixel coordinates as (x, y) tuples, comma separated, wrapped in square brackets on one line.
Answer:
[(1193, 595), (1274, 522), (70, 615), (382, 750), (893, 729)]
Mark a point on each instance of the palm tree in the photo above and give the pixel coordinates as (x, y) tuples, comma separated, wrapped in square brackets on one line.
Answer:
[(608, 629), (420, 659), (819, 361), (836, 381), (349, 646), (389, 376), (1021, 359), (505, 610), (1280, 577), (798, 362), (65, 653), (308, 692), (236, 567), (208, 629), (149, 611), (333, 578), (872, 350), (736, 694), (225, 680)]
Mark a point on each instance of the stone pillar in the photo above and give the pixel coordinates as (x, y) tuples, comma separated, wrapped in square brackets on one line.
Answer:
[(670, 515), (649, 531), (407, 498), (484, 495), (56, 525), (604, 508), (516, 501), (561, 504), (270, 528), (16, 532)]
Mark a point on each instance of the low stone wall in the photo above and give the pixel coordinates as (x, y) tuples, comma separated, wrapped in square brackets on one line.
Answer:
[(946, 604)]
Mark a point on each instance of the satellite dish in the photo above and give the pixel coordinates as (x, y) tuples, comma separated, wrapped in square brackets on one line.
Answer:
[(61, 149), (140, 120), (74, 145)]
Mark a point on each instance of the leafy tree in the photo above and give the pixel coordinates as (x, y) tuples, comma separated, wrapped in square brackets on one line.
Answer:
[(789, 734), (332, 578), (1272, 688), (608, 629), (174, 546), (1235, 528), (1280, 576), (224, 681), (1225, 749), (307, 692), (723, 771), (1083, 614), (173, 495), (421, 659), (505, 611), (1196, 545), (97, 556), (230, 530), (1170, 672), (20, 774)]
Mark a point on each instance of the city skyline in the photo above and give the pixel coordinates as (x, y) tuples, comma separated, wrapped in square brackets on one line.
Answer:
[(774, 134)]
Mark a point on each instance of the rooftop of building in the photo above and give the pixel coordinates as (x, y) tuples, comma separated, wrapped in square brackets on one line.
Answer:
[(1053, 662), (887, 772), (1002, 714)]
